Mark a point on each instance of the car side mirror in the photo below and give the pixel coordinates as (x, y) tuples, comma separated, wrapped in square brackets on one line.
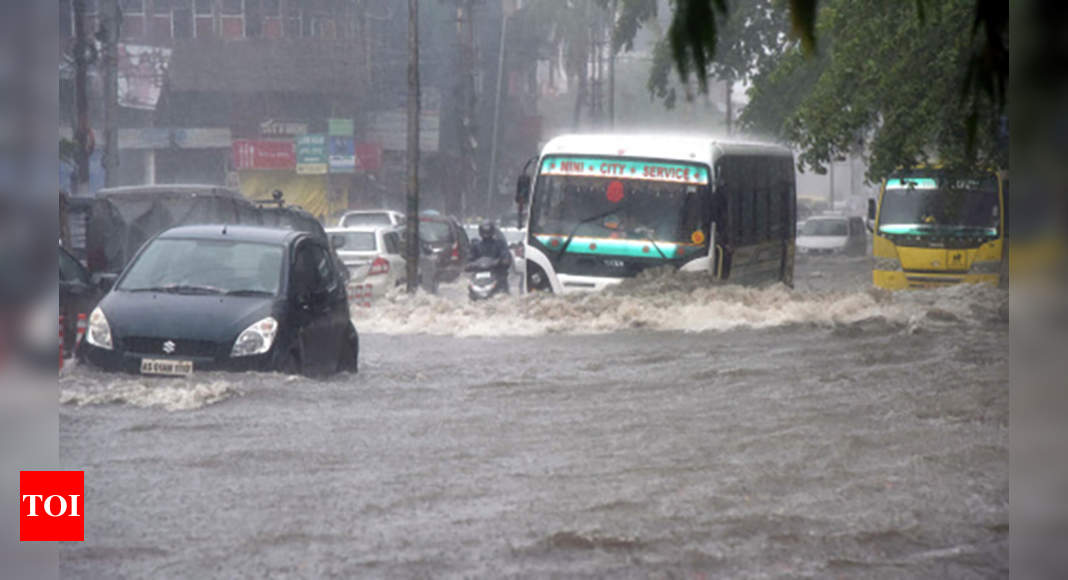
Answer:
[(871, 210), (337, 241), (104, 280), (522, 189)]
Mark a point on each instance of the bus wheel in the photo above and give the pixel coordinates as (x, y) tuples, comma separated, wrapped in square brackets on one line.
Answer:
[(537, 280)]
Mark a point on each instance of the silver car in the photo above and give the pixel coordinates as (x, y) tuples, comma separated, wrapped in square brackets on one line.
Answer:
[(374, 258), (371, 218)]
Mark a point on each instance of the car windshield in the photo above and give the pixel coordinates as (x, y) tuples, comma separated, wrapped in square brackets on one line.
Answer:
[(824, 228), (434, 231), (207, 266), (915, 204), (664, 205), (367, 219), (356, 241)]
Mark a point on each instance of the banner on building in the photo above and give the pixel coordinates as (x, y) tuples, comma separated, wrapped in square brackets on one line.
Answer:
[(263, 154), (312, 157), (368, 156), (340, 127), (342, 155), (142, 70)]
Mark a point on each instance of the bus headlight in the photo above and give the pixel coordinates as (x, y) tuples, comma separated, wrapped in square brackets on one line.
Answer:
[(256, 339), (888, 264), (99, 332), (985, 267)]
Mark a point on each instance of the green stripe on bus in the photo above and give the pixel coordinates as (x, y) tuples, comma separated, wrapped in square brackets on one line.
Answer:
[(611, 247)]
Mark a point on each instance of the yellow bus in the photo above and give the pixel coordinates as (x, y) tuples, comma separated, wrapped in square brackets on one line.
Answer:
[(933, 228)]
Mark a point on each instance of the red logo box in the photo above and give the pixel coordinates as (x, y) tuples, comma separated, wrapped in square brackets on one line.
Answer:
[(51, 506)]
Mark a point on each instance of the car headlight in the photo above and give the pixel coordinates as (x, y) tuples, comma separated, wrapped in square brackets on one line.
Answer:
[(99, 332), (985, 267), (256, 339), (890, 264)]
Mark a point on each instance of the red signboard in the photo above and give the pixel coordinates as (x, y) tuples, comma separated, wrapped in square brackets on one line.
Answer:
[(264, 154), (368, 156)]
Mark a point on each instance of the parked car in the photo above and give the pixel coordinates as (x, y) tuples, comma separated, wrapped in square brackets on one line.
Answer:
[(372, 256), (833, 235), (225, 297), (444, 249), (122, 219), (78, 294), (371, 217)]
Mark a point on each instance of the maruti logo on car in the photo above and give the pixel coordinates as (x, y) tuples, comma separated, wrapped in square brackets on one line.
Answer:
[(169, 347)]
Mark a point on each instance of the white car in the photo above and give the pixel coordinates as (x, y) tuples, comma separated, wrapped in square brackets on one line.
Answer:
[(371, 217), (832, 235), (373, 257)]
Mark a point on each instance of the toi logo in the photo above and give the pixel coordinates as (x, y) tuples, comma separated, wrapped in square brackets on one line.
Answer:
[(51, 506)]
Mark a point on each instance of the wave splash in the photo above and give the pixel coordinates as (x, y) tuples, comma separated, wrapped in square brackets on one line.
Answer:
[(677, 302), (179, 395)]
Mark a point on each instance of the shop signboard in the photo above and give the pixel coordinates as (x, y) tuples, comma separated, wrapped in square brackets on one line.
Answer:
[(340, 127), (369, 156), (263, 154), (342, 155), (312, 156)]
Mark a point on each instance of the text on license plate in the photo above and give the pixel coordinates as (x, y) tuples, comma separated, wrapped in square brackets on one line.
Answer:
[(483, 275), (156, 366)]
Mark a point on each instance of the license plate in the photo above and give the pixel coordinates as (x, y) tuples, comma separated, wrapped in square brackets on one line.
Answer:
[(156, 366), (483, 275)]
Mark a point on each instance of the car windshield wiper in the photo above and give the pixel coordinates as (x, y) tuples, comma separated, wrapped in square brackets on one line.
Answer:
[(649, 239), (181, 289), (571, 235), (249, 292)]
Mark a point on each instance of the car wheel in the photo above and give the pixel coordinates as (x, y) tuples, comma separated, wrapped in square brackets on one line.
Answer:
[(289, 363), (348, 358)]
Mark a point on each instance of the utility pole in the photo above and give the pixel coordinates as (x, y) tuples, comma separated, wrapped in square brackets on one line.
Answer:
[(730, 109), (612, 67), (595, 74), (82, 135), (413, 249), (830, 174), (110, 32), (468, 134), (491, 186)]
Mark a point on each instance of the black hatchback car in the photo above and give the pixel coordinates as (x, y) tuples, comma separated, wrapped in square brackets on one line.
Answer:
[(227, 298)]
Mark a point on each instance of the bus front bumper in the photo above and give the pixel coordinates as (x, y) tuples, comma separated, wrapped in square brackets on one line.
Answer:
[(571, 283), (898, 280)]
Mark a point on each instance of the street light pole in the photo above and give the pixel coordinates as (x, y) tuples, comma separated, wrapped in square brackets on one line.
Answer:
[(112, 21), (491, 186), (82, 133)]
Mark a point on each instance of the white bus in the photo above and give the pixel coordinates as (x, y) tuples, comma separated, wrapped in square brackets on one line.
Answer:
[(605, 207)]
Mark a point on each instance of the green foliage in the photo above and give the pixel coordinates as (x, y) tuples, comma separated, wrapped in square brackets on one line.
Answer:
[(744, 37), (889, 81)]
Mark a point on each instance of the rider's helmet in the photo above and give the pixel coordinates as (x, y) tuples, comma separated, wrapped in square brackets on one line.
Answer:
[(486, 230)]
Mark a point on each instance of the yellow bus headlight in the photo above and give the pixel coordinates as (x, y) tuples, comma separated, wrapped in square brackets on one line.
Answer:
[(985, 267), (889, 264)]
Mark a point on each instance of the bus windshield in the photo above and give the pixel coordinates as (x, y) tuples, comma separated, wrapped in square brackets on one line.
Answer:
[(619, 199), (916, 205)]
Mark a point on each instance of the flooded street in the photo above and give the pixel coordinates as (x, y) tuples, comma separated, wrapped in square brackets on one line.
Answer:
[(666, 429)]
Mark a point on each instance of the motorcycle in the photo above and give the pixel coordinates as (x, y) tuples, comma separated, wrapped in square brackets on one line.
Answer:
[(487, 278)]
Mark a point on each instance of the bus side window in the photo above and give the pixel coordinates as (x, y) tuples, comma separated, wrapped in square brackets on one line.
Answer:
[(747, 186), (764, 178), (776, 200)]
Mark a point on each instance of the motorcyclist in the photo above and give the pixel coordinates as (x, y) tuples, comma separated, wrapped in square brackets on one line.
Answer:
[(492, 244)]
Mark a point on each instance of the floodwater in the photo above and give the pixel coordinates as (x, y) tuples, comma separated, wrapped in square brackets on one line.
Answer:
[(665, 430)]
